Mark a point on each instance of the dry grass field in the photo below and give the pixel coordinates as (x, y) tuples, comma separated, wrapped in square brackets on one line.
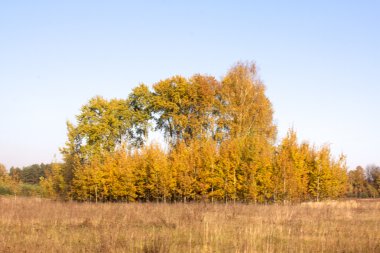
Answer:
[(37, 225)]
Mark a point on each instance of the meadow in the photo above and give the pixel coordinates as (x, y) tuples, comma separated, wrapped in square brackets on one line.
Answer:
[(41, 225)]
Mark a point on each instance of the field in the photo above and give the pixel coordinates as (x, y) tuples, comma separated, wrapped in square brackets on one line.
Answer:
[(39, 225)]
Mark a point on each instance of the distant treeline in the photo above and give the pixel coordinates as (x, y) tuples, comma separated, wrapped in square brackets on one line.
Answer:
[(30, 174), (364, 183), (24, 181), (220, 146)]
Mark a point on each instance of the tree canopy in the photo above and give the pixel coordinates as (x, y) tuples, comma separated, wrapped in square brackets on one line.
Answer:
[(220, 136)]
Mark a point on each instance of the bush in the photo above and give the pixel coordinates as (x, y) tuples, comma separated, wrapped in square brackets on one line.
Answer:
[(5, 189), (30, 190), (20, 189)]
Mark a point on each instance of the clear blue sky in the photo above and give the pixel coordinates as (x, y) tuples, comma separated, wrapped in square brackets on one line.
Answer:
[(320, 62)]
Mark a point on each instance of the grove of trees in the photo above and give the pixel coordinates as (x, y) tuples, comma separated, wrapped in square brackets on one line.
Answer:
[(220, 146)]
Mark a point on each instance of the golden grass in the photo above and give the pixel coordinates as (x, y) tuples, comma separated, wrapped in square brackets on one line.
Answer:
[(38, 225)]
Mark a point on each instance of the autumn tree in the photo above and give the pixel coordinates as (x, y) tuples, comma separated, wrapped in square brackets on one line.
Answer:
[(153, 175), (196, 171), (3, 171), (328, 177), (103, 127), (109, 178), (245, 109), (183, 164), (53, 183), (208, 176), (5, 187), (291, 169), (231, 168), (185, 108), (246, 120)]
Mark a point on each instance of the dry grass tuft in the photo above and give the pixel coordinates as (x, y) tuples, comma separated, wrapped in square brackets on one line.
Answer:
[(38, 225)]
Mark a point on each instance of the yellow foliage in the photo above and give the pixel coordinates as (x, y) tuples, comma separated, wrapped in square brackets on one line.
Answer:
[(221, 147)]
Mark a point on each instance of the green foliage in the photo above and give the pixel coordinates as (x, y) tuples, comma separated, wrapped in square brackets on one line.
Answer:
[(5, 189), (29, 190), (364, 183), (29, 174), (373, 177), (104, 126), (19, 189)]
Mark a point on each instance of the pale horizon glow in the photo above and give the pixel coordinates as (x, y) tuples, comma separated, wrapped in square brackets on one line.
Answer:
[(319, 61)]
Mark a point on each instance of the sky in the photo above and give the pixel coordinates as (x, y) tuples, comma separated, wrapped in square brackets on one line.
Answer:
[(320, 62)]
